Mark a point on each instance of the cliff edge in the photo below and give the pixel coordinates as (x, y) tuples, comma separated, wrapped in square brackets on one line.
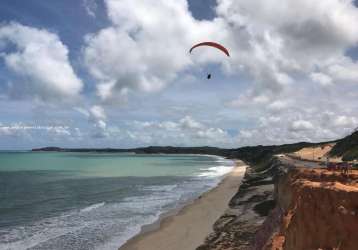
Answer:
[(315, 209)]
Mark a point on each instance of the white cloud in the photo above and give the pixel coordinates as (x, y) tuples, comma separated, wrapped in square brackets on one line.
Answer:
[(41, 61), (343, 121), (251, 98), (290, 42), (212, 134), (298, 124), (146, 46), (278, 105), (321, 78), (291, 56), (345, 70), (189, 123), (296, 51), (285, 51), (90, 7), (21, 129), (186, 131), (97, 117), (301, 125), (245, 134), (97, 113)]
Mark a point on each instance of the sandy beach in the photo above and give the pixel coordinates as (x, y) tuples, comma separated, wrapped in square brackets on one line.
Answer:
[(188, 229)]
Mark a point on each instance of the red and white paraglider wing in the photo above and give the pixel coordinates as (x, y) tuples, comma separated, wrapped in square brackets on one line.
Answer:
[(211, 44)]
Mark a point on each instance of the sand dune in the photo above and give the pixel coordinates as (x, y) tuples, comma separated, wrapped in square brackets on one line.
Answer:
[(318, 153)]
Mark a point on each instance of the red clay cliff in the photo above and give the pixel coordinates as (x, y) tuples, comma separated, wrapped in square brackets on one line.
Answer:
[(316, 209)]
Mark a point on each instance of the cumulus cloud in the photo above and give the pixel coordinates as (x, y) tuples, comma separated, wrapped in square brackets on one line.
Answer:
[(278, 105), (145, 47), (186, 131), (90, 7), (343, 121), (300, 125), (97, 117), (286, 52), (298, 41), (40, 60), (21, 129), (292, 57), (301, 73), (97, 113), (321, 78)]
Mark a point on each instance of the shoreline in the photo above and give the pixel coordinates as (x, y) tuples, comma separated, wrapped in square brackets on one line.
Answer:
[(186, 227)]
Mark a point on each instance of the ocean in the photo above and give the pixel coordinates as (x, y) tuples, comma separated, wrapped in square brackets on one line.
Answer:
[(94, 200)]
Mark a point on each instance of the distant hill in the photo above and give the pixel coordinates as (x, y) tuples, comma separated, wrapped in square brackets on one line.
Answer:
[(255, 155), (347, 148)]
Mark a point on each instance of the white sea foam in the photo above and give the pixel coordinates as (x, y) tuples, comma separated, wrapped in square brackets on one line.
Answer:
[(215, 171), (223, 167), (81, 227), (113, 223), (94, 206), (161, 188), (32, 235), (133, 228)]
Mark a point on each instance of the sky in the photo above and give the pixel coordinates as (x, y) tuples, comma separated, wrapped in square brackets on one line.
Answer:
[(117, 73)]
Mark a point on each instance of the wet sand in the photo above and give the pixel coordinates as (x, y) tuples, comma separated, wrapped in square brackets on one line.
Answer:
[(188, 228)]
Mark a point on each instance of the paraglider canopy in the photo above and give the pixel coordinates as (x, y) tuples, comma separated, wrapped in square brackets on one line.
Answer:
[(211, 44), (214, 45)]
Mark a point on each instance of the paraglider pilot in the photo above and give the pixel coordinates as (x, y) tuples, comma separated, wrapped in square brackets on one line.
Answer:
[(211, 44)]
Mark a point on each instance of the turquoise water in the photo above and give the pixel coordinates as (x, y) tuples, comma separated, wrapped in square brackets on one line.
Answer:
[(94, 201), (103, 165)]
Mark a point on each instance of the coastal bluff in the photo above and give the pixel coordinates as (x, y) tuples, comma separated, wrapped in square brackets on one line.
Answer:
[(315, 209), (290, 207), (283, 203)]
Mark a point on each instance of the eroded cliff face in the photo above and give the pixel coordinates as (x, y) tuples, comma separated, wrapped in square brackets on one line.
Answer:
[(236, 229), (307, 209), (316, 209)]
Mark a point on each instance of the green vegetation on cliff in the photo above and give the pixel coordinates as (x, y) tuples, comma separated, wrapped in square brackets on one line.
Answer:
[(347, 148)]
